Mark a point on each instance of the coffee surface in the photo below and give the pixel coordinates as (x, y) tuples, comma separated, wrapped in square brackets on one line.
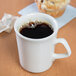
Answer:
[(36, 30)]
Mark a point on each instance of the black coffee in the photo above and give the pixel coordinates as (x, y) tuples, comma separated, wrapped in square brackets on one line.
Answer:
[(36, 30)]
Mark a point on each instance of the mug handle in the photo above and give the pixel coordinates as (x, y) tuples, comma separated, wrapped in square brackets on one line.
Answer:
[(66, 45)]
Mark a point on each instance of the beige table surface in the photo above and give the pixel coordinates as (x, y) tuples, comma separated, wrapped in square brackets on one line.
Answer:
[(9, 61)]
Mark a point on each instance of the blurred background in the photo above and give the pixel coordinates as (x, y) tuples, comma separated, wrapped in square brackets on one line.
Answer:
[(13, 6)]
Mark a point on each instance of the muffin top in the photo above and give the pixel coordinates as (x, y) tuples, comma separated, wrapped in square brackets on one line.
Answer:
[(53, 5)]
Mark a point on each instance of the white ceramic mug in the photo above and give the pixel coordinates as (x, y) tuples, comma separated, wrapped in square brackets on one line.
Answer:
[(37, 55)]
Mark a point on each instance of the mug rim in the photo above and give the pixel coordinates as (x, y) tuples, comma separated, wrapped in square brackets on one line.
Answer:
[(41, 39)]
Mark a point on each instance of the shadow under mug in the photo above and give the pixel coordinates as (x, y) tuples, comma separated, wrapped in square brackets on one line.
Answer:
[(37, 55)]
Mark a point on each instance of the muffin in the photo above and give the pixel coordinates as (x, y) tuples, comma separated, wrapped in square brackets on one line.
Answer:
[(54, 8)]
